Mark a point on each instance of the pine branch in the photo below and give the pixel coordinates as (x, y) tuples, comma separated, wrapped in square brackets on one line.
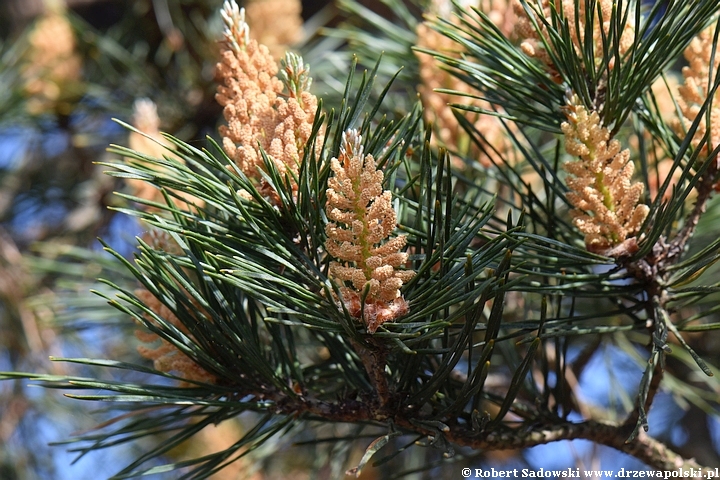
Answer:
[(650, 451), (335, 265)]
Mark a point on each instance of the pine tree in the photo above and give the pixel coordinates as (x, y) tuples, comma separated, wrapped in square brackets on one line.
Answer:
[(428, 274)]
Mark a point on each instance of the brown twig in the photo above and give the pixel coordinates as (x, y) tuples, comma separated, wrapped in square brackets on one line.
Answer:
[(502, 437), (374, 359), (704, 192), (652, 272)]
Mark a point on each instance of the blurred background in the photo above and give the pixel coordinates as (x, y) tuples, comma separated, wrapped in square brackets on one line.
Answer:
[(67, 69)]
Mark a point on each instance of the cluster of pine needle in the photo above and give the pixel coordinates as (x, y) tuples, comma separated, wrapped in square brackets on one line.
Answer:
[(428, 255)]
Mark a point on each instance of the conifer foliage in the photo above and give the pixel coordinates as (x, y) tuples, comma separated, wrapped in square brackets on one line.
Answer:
[(348, 271)]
